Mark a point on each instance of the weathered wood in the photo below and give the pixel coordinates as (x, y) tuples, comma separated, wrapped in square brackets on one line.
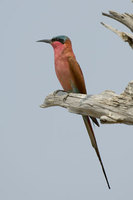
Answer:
[(127, 20), (108, 106)]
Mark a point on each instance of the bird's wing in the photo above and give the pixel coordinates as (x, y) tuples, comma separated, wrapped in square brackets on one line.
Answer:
[(78, 80)]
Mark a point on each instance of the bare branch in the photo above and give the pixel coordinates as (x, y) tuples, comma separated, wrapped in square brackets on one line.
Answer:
[(126, 37), (127, 20), (108, 106)]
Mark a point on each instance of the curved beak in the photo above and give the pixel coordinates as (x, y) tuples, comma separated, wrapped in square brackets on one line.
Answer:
[(46, 41)]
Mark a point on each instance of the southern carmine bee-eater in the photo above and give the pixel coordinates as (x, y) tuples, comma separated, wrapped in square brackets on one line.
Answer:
[(71, 78)]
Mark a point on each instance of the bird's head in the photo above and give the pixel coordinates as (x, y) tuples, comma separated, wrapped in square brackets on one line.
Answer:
[(58, 42)]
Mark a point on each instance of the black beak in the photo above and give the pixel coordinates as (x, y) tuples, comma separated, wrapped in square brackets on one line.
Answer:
[(46, 41)]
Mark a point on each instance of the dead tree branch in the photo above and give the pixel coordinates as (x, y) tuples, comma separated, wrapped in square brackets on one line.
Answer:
[(127, 20), (108, 106)]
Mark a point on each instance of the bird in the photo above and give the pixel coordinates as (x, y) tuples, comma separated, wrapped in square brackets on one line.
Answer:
[(71, 78)]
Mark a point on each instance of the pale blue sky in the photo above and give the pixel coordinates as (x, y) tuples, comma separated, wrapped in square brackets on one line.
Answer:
[(46, 153)]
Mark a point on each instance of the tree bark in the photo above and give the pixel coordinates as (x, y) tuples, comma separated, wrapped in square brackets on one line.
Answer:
[(108, 106)]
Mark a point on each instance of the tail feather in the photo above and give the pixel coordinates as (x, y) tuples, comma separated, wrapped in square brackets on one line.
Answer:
[(94, 144)]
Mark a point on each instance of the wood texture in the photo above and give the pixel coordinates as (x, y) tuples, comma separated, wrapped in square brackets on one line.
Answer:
[(127, 20), (108, 106)]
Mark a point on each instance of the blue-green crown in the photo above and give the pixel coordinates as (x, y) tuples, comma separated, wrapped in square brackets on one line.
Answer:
[(60, 38)]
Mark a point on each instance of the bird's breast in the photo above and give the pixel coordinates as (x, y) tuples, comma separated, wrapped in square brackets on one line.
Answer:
[(63, 73)]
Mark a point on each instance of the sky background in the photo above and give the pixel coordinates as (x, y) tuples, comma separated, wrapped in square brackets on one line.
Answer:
[(46, 153)]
